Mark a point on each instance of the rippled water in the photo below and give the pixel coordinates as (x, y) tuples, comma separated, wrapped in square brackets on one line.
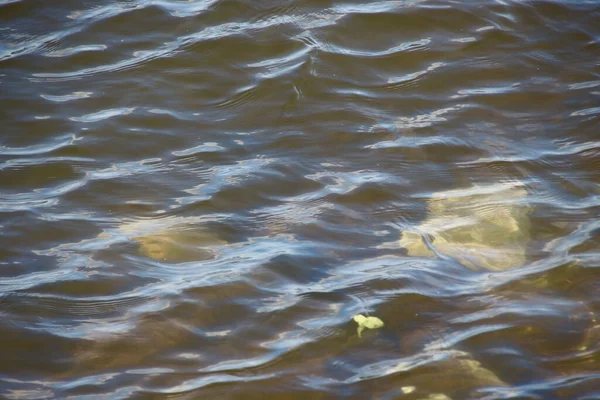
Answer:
[(197, 197)]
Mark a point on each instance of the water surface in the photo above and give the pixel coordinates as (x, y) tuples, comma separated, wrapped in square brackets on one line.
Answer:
[(197, 197)]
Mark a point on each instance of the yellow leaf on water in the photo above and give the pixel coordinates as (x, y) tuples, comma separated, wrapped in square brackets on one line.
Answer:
[(373, 323), (367, 322)]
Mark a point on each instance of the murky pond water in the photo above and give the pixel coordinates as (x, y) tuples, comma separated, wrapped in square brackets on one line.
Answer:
[(197, 197)]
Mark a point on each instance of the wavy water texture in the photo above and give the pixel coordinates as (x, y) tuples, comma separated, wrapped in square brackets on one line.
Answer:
[(196, 197)]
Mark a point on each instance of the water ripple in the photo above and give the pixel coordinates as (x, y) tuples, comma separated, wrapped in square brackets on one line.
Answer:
[(104, 114)]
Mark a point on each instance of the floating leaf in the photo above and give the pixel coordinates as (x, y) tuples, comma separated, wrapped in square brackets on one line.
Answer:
[(367, 323)]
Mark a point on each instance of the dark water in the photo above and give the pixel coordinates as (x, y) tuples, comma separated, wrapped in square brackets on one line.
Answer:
[(197, 197)]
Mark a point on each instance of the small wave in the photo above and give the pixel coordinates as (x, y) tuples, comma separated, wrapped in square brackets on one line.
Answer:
[(33, 44), (39, 149), (584, 85), (415, 143), (63, 306), (191, 385), (42, 197), (585, 112), (241, 97), (418, 45), (75, 50), (220, 177), (203, 148), (399, 82), (512, 88), (185, 9), (103, 12), (141, 57), (104, 114), (120, 170), (67, 97)]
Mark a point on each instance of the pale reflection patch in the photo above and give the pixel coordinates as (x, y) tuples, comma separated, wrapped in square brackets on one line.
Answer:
[(483, 227)]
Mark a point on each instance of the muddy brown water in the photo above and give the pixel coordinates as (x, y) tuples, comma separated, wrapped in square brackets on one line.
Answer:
[(196, 197)]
